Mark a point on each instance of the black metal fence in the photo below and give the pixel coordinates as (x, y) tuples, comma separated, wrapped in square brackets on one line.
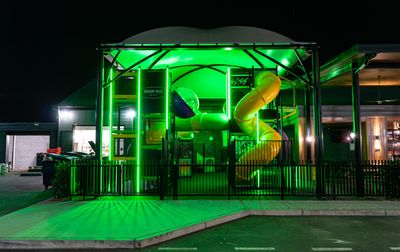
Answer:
[(284, 178), (115, 178)]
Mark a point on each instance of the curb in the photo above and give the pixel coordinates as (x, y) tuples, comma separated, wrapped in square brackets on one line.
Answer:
[(65, 244), (141, 243), (344, 213)]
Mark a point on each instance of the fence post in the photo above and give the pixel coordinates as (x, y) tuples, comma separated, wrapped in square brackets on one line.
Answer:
[(231, 168), (386, 171), (333, 178), (70, 181), (229, 180), (120, 178), (320, 169), (84, 178), (396, 166), (161, 178), (323, 177), (282, 182), (359, 179), (175, 175)]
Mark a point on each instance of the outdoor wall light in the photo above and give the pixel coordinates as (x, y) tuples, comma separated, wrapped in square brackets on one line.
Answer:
[(352, 135), (377, 144), (396, 125), (131, 113), (66, 114), (309, 139)]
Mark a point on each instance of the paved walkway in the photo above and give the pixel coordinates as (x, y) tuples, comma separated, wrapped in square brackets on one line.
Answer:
[(135, 223), (18, 191)]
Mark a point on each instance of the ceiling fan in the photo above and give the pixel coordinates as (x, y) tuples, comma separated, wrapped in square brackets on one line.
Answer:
[(379, 101)]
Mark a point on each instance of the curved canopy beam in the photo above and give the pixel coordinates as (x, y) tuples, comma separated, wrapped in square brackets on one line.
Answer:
[(299, 59), (130, 67), (280, 64), (213, 65), (159, 58), (196, 69), (254, 58)]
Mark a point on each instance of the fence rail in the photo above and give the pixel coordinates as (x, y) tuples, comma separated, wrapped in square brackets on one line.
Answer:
[(378, 178)]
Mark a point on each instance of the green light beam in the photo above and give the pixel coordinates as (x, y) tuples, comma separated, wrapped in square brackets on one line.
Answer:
[(110, 113), (166, 98), (257, 141), (139, 109), (228, 93)]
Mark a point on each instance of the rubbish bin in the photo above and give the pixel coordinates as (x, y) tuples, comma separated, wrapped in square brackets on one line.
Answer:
[(3, 169), (48, 171)]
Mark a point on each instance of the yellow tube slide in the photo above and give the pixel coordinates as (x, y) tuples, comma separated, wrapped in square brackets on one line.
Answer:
[(266, 89)]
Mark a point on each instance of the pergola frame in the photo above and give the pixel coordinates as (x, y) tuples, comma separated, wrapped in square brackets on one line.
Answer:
[(310, 78)]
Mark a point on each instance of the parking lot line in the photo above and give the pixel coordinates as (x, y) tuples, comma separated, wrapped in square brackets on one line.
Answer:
[(332, 249), (178, 248), (255, 248)]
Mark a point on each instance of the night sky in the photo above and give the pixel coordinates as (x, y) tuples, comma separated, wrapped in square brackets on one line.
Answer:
[(49, 47)]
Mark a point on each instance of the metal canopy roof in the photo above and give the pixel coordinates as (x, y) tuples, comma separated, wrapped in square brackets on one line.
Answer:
[(189, 35), (200, 58), (380, 60)]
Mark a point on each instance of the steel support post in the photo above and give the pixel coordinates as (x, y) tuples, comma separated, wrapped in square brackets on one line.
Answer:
[(355, 101), (318, 131), (317, 115), (307, 115), (99, 105)]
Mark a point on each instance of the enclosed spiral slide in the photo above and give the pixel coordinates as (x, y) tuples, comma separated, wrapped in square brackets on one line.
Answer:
[(267, 86)]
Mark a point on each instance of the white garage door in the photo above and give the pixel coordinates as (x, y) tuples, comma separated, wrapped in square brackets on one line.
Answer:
[(26, 148)]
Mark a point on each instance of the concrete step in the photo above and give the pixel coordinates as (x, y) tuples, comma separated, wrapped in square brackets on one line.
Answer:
[(31, 173)]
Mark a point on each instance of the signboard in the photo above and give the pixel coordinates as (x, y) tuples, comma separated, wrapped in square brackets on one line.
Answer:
[(153, 91)]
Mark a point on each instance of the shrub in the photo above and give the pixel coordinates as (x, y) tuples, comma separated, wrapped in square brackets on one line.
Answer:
[(61, 183)]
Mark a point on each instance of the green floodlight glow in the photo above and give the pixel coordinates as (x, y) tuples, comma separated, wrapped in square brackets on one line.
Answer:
[(100, 143), (228, 93), (257, 128), (110, 113), (72, 187), (166, 98), (257, 141), (139, 112), (227, 55), (101, 116)]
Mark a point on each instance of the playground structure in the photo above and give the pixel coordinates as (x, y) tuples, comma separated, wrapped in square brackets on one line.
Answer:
[(186, 99), (266, 89)]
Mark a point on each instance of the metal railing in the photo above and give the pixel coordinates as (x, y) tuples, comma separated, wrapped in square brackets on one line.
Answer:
[(90, 178), (114, 178)]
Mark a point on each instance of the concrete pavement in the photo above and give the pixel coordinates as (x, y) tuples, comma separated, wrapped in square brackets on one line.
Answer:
[(17, 191), (136, 223), (294, 234)]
